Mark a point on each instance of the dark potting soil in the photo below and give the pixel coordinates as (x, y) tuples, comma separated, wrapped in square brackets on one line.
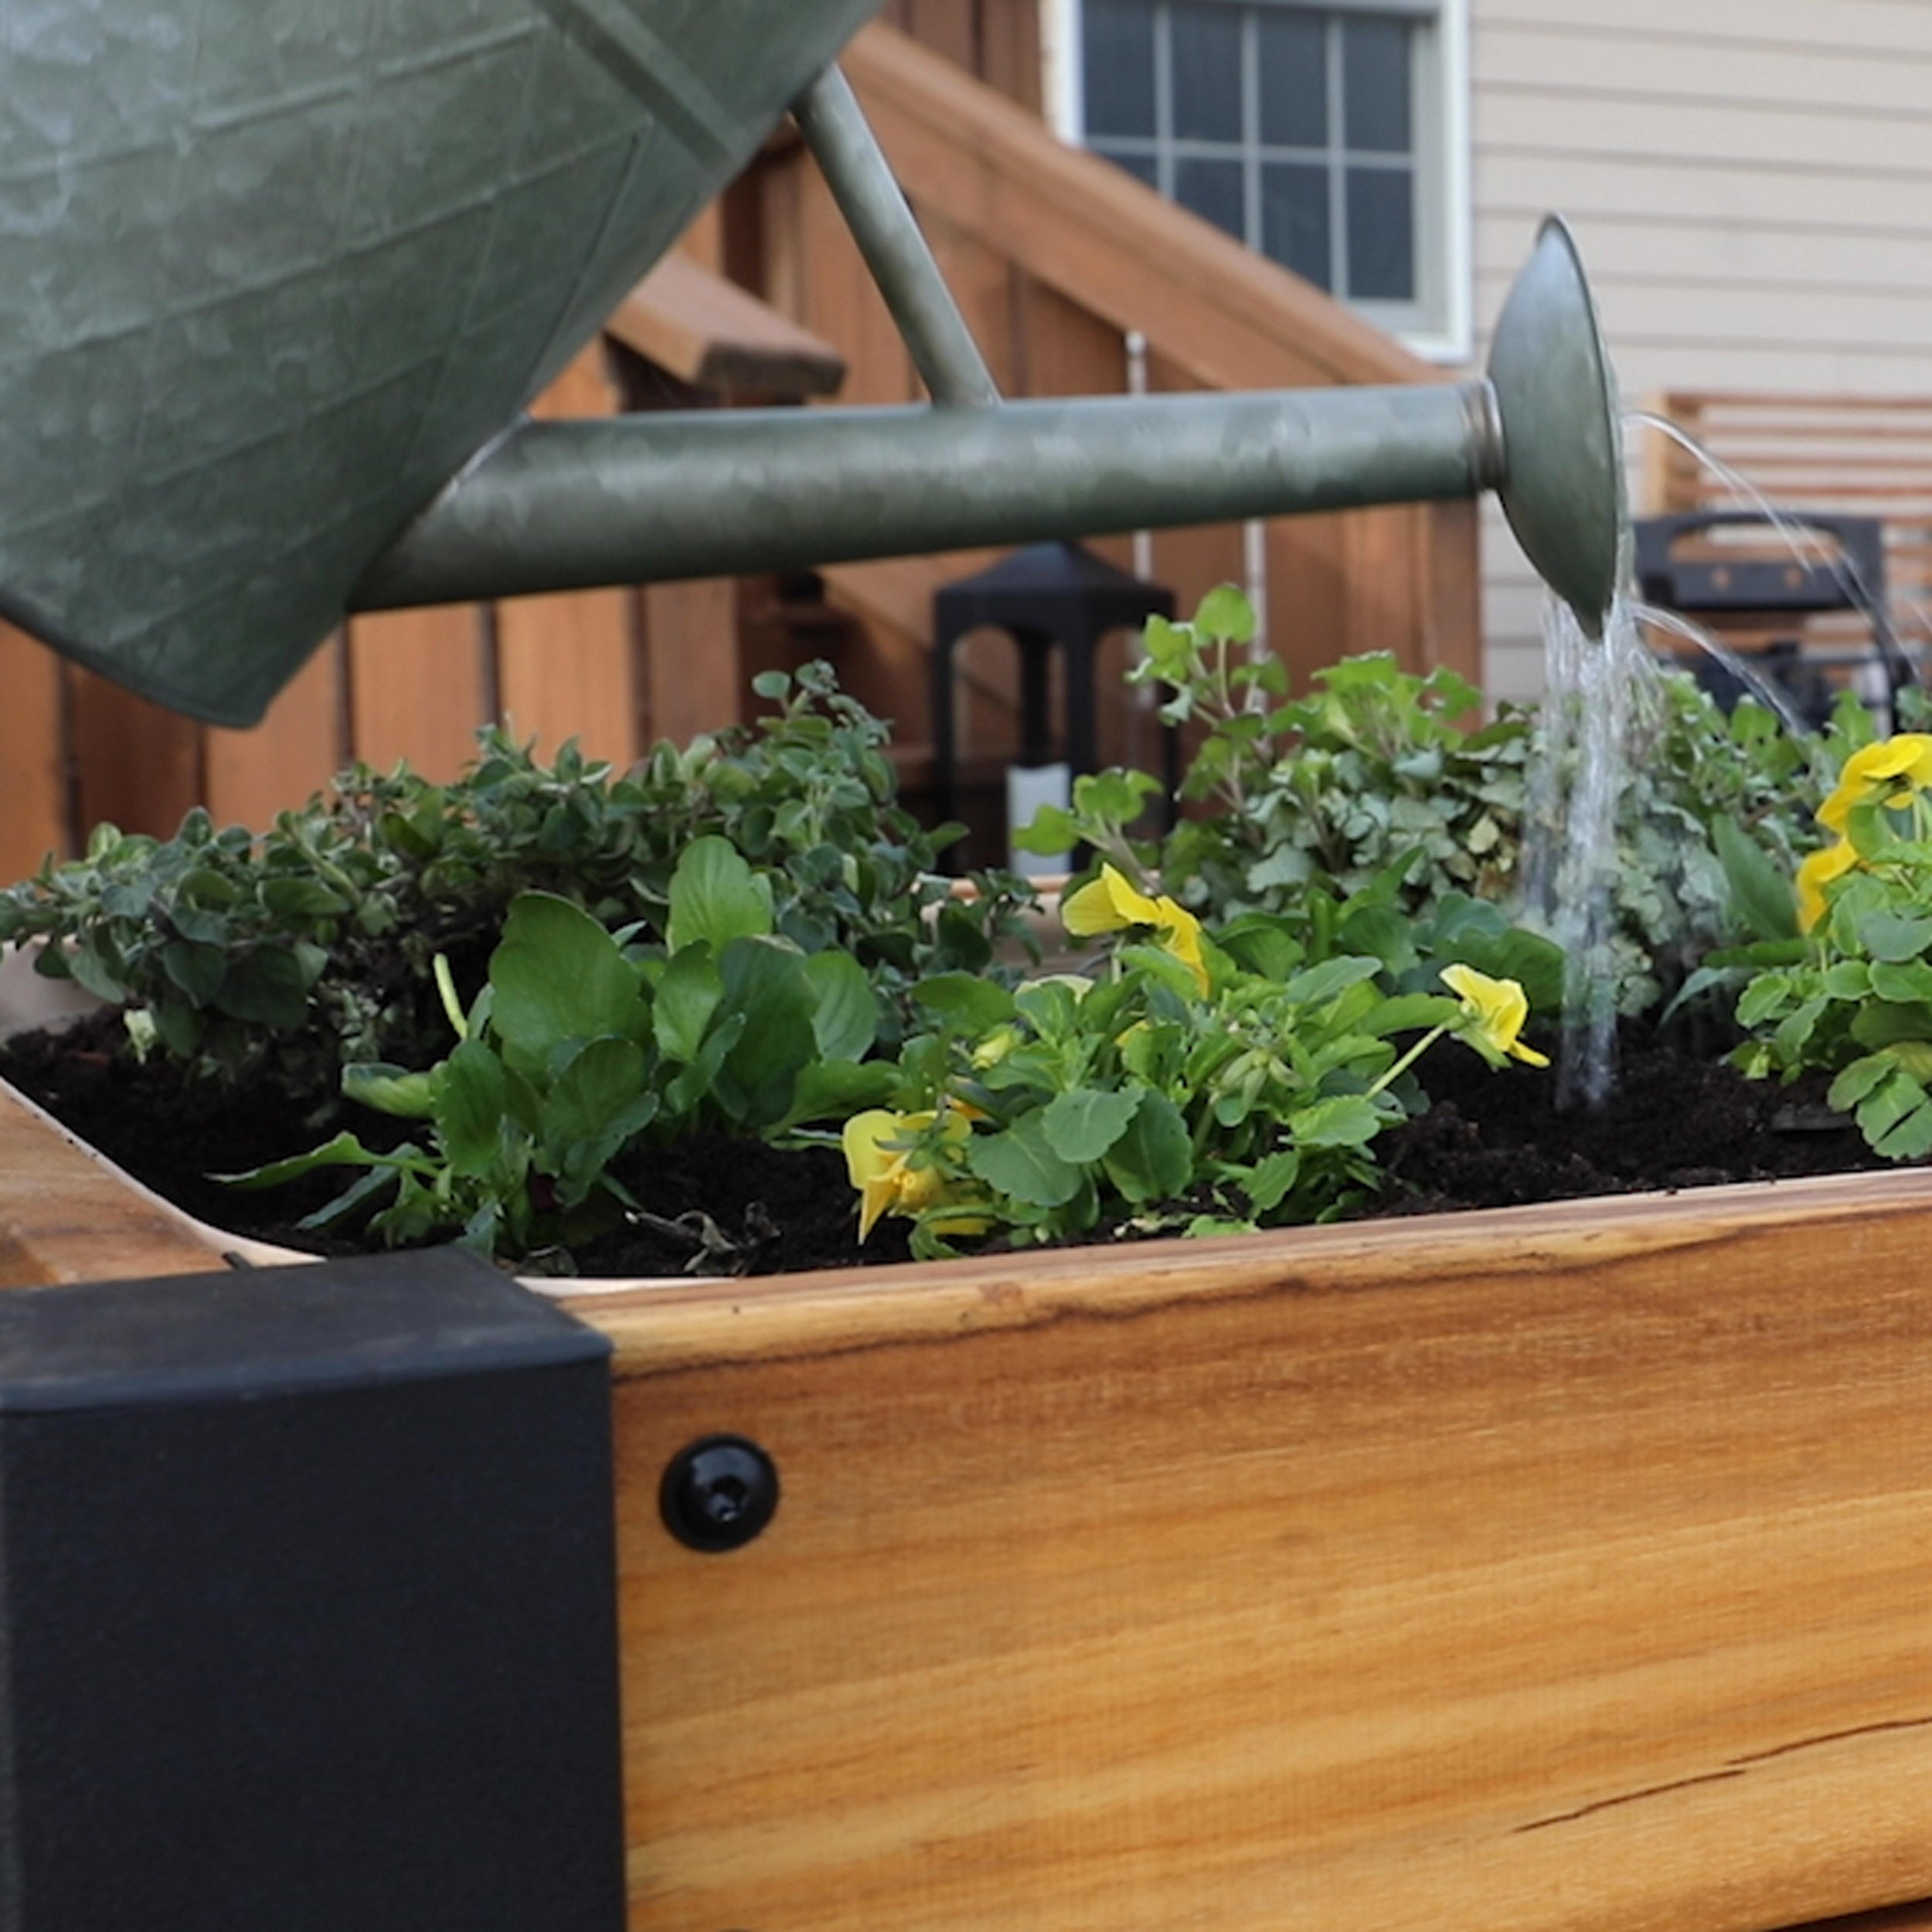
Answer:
[(1488, 1140)]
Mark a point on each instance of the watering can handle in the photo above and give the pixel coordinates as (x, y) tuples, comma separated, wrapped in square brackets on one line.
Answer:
[(869, 196)]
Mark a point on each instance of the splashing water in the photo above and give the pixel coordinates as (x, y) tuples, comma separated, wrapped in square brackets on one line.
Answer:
[(1804, 543), (1768, 693), (1596, 695)]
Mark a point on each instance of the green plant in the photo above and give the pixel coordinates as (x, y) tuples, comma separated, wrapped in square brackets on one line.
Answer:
[(581, 1042), (289, 955), (1203, 1084), (1373, 767), (1378, 773), (1852, 995)]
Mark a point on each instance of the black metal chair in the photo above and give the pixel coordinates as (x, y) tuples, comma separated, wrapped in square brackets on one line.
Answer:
[(1776, 584)]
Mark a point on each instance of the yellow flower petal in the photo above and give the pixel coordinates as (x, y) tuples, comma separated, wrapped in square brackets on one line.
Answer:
[(1181, 935), (1870, 772), (878, 1148), (1106, 905), (861, 1138), (1496, 1009), (1814, 873), (1109, 904)]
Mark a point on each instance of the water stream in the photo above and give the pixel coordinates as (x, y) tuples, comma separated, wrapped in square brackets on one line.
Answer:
[(1599, 697), (1594, 694)]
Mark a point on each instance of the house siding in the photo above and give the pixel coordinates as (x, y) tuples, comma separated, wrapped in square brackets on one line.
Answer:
[(1749, 182)]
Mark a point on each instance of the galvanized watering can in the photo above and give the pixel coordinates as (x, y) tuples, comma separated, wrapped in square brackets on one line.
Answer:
[(276, 280)]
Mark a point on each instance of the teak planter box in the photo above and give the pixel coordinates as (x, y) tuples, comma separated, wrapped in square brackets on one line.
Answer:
[(1552, 1568)]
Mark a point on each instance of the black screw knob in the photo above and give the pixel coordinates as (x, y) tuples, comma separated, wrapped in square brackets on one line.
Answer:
[(718, 1493)]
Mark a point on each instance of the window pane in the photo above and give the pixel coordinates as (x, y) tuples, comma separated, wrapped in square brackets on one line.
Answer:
[(1117, 37), (1142, 165), (1206, 44), (1291, 52), (1294, 220), (1375, 84), (1381, 234), (1212, 188)]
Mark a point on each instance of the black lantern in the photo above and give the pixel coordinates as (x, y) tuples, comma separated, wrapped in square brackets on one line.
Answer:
[(1049, 596)]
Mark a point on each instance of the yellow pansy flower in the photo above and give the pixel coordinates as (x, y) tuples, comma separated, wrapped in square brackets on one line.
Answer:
[(1873, 772), (1110, 904), (1813, 874), (1496, 1010), (878, 1147)]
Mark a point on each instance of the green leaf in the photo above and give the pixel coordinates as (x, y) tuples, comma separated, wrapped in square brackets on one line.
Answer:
[(1408, 1012), (1910, 1138), (344, 1149), (197, 970), (472, 1098), (1051, 831), (688, 991), (1153, 1160), (716, 896), (1761, 892), (1332, 977), (295, 896), (1268, 1183), (845, 1021), (1859, 1079), (1344, 1120), (92, 971), (1261, 942), (267, 988), (1887, 1103), (766, 986), (1884, 1023), (390, 1090), (598, 1102), (1020, 1164), (557, 976), (836, 1089), (1893, 937), (1901, 985), (1226, 613), (1794, 1030), (1765, 994), (969, 1004), (1849, 979), (1082, 1124)]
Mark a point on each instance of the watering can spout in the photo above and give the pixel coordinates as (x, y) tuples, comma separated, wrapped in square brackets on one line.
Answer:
[(563, 505)]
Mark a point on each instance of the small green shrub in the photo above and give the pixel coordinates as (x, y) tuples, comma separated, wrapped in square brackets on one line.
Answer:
[(289, 955), (1380, 774)]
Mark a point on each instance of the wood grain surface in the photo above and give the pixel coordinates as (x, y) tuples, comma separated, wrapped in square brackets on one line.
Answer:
[(1562, 1568), (65, 1217)]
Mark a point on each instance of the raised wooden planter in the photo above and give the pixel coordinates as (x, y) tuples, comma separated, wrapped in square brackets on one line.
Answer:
[(1555, 1568)]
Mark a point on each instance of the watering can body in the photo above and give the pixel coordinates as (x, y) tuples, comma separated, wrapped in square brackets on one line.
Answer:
[(277, 277), (272, 271)]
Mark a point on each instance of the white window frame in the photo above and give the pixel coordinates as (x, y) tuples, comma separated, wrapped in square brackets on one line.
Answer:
[(1442, 212)]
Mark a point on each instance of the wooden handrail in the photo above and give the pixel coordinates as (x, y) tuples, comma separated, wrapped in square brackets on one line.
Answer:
[(715, 335)]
